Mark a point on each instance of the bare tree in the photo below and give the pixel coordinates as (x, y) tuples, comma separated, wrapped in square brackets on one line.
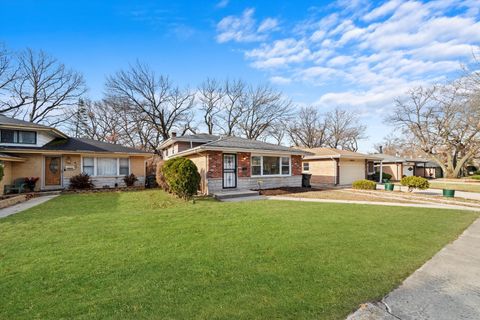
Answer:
[(210, 94), (162, 105), (44, 89), (8, 75), (262, 107), (308, 129), (445, 121), (231, 108), (344, 130)]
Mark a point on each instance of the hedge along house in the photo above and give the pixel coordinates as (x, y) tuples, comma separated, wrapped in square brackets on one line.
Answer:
[(236, 164), (34, 150), (329, 166)]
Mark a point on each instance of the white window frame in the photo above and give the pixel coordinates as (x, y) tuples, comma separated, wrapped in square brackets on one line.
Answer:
[(95, 166), (279, 163), (308, 166)]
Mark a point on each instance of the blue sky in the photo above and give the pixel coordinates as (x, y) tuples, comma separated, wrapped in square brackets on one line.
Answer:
[(356, 54)]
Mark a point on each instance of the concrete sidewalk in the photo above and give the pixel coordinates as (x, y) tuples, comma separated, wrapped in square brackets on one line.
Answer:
[(446, 287), (25, 205)]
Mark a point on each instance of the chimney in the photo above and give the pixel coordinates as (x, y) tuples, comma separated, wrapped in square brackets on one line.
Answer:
[(380, 148), (174, 134)]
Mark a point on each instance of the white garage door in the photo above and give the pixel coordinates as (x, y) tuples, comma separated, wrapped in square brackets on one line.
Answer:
[(350, 172)]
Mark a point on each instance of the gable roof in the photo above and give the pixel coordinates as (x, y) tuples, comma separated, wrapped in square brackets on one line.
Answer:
[(83, 144), (233, 144), (80, 145), (17, 123), (198, 137), (326, 153)]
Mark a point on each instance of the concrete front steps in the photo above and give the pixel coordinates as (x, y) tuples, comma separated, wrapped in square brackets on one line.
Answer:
[(237, 195)]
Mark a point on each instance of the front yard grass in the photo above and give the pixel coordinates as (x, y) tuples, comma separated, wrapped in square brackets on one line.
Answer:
[(147, 255)]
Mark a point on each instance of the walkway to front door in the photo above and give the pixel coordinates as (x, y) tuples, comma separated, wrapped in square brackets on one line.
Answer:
[(229, 171)]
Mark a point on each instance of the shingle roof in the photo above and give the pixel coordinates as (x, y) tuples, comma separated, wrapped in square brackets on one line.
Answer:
[(16, 122), (82, 144), (243, 143), (335, 153), (388, 158), (7, 157)]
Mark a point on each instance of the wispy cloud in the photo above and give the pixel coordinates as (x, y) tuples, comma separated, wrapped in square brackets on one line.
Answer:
[(245, 28), (374, 55), (222, 3)]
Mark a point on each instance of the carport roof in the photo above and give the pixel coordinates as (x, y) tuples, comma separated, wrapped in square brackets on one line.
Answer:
[(326, 153)]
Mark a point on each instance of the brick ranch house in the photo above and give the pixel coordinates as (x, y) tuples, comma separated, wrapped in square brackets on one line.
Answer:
[(34, 150), (234, 163), (329, 166)]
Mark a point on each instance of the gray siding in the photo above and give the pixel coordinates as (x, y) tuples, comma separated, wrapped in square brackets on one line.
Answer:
[(250, 183)]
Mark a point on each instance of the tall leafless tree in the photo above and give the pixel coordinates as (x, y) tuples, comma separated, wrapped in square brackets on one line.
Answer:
[(211, 94), (261, 108), (8, 75), (445, 122), (231, 108), (44, 89), (343, 129), (308, 129), (164, 106)]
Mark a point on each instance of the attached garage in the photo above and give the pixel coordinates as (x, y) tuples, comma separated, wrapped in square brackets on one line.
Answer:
[(351, 170), (329, 166)]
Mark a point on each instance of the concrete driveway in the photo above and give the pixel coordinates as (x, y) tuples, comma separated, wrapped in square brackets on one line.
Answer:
[(445, 288)]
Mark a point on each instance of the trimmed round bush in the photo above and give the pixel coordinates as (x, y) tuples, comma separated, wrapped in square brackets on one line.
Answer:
[(414, 182), (364, 184), (181, 176)]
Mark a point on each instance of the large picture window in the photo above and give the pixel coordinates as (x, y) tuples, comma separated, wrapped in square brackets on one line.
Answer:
[(17, 136), (104, 167), (270, 166)]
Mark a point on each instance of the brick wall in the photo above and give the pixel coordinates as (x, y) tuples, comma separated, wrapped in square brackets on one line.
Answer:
[(296, 165), (243, 161), (214, 164)]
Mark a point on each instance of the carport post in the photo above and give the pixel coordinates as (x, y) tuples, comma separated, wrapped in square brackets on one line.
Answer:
[(381, 172)]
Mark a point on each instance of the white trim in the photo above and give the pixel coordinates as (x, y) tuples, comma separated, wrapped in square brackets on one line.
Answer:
[(95, 166), (280, 165)]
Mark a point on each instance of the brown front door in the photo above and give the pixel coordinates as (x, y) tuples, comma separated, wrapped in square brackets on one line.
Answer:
[(53, 172)]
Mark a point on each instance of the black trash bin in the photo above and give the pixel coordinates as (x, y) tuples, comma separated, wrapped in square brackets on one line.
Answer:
[(306, 180)]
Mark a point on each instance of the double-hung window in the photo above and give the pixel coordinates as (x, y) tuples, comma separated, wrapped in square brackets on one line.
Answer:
[(104, 167), (270, 166), (306, 166), (124, 166), (89, 166)]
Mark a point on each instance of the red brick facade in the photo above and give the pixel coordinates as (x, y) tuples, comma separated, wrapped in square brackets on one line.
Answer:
[(243, 163), (215, 164), (296, 165)]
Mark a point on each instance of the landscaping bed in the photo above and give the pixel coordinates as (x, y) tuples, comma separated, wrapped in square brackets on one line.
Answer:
[(146, 254), (285, 191)]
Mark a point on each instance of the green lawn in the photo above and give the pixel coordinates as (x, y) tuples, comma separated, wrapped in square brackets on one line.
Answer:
[(471, 187), (146, 255)]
